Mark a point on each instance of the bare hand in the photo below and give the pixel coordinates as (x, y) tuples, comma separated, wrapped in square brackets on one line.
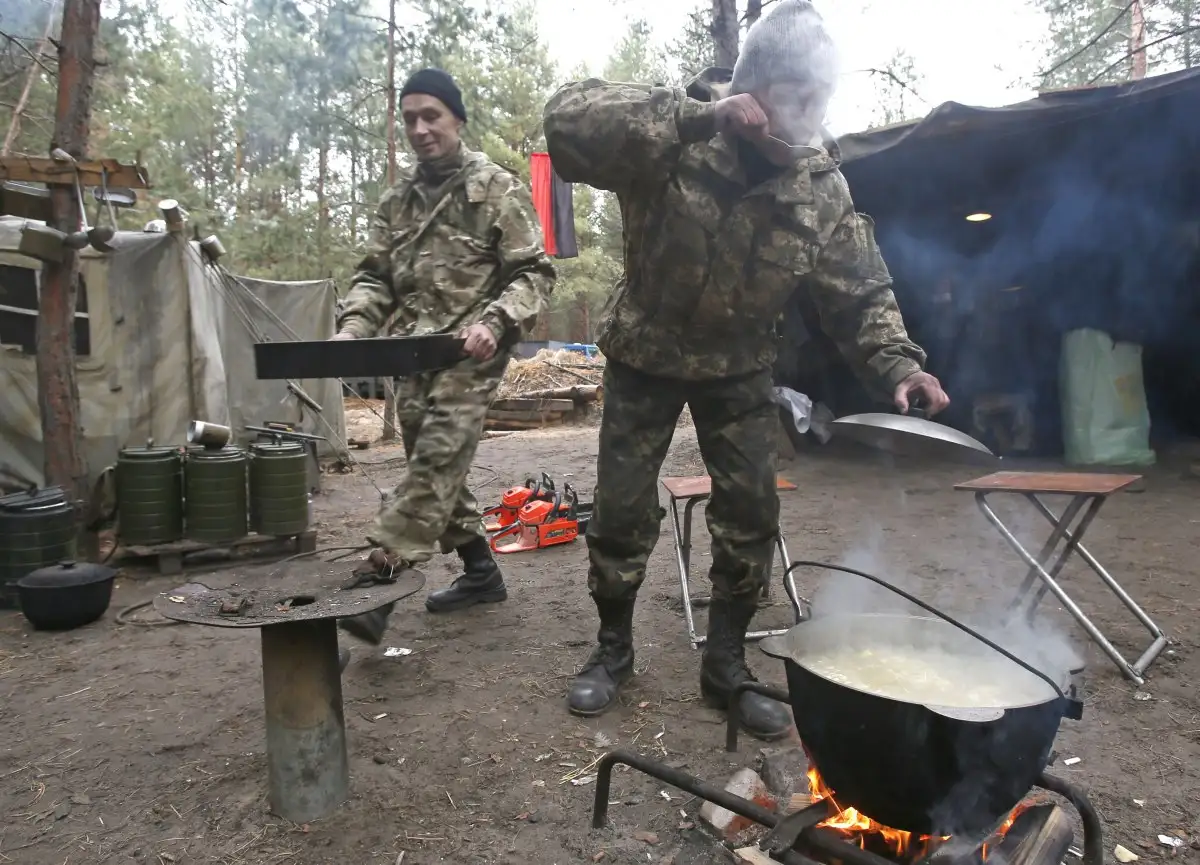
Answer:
[(481, 342), (742, 115), (345, 334), (922, 386)]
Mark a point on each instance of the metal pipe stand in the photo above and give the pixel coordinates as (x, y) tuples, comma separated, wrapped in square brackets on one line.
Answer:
[(308, 768)]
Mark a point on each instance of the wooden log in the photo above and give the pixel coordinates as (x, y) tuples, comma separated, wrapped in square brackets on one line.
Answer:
[(1041, 835), (575, 393), (532, 405), (519, 425), (530, 416)]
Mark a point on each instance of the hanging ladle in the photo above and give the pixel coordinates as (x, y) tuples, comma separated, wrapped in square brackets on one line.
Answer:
[(101, 236), (79, 239)]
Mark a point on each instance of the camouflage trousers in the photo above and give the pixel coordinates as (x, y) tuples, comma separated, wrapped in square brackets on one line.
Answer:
[(736, 426), (441, 417)]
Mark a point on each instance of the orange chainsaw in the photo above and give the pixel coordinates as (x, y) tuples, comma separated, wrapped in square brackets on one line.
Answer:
[(513, 499), (542, 523)]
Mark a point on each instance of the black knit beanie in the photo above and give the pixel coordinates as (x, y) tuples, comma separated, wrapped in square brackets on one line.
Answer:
[(438, 84)]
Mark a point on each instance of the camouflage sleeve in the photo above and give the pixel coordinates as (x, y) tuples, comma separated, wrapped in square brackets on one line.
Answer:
[(526, 272), (613, 136), (852, 290), (372, 297)]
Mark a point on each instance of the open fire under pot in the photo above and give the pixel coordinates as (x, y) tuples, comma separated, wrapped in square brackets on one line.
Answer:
[(897, 782)]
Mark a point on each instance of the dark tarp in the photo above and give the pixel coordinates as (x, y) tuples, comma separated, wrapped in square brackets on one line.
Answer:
[(1050, 108)]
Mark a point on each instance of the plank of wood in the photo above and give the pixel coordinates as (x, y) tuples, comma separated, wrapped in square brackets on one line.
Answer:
[(526, 404), (43, 169), (752, 856), (798, 802)]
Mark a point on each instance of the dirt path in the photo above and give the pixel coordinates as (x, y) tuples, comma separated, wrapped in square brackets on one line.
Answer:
[(145, 744)]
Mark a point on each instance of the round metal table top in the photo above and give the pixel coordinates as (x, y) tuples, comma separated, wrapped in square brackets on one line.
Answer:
[(315, 592)]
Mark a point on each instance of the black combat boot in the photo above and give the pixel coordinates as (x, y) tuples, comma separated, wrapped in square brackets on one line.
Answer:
[(481, 582), (369, 626), (610, 666), (724, 667)]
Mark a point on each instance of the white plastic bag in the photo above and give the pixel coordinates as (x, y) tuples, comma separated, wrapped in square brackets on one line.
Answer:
[(799, 405), (1105, 417)]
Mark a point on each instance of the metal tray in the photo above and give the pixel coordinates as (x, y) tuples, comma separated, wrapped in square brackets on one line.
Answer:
[(914, 436), (384, 357)]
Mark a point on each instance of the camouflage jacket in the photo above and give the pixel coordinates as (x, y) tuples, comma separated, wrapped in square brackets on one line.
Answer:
[(711, 261), (479, 257)]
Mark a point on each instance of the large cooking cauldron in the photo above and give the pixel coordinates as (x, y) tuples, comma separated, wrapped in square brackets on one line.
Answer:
[(930, 770)]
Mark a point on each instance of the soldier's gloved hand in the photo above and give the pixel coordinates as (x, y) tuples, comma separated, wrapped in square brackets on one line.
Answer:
[(481, 342), (345, 334), (742, 115)]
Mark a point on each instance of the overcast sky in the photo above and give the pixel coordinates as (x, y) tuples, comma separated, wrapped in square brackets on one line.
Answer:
[(970, 51)]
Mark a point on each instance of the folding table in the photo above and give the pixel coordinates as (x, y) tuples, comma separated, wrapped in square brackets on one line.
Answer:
[(690, 491), (1088, 493)]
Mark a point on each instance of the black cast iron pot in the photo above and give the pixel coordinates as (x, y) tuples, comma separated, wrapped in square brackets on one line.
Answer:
[(66, 596), (930, 770)]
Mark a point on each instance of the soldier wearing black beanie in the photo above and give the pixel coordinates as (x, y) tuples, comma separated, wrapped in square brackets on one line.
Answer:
[(438, 84), (476, 268)]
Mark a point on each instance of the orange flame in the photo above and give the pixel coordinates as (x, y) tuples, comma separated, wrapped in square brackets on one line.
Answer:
[(857, 827)]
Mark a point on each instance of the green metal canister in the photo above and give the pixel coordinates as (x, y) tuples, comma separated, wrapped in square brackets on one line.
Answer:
[(37, 529), (150, 495), (278, 488), (215, 495)]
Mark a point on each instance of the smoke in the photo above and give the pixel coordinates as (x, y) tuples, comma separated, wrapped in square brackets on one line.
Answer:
[(975, 583)]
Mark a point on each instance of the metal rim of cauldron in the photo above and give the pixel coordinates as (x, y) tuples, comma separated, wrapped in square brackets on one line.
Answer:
[(910, 767)]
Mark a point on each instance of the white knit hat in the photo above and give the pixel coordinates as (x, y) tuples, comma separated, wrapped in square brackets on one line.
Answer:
[(788, 44)]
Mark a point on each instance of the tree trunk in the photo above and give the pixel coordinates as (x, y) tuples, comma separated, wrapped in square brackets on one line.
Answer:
[(58, 391), (14, 126), (354, 191), (389, 384), (1137, 42), (322, 198), (725, 31), (753, 11)]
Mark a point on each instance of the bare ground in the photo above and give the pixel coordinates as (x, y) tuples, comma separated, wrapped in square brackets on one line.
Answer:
[(145, 744)]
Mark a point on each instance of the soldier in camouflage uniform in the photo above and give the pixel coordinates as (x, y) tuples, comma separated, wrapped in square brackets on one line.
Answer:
[(723, 221), (456, 247)]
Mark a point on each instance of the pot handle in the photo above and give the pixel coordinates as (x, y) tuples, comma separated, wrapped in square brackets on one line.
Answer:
[(1073, 706)]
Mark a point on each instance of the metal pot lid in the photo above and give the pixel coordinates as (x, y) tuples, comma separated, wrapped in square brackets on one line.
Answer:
[(33, 500), (288, 448), (228, 452), (906, 435), (67, 574), (148, 452)]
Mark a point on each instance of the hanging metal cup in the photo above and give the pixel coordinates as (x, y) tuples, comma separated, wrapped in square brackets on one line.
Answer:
[(77, 240), (210, 435), (212, 248), (42, 242)]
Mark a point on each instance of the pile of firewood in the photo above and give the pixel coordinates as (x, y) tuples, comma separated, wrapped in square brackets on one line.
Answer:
[(548, 407)]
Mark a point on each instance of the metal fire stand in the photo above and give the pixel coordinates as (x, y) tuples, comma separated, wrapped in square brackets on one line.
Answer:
[(797, 839), (307, 762)]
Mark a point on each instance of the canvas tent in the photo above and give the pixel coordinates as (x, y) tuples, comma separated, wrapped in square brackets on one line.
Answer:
[(162, 338)]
